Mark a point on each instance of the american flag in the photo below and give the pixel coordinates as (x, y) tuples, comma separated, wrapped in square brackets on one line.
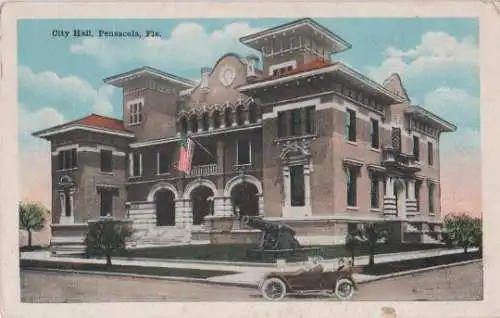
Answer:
[(185, 154)]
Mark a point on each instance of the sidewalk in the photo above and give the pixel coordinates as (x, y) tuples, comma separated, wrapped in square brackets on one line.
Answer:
[(247, 275)]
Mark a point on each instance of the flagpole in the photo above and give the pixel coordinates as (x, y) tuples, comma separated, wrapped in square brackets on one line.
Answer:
[(202, 147)]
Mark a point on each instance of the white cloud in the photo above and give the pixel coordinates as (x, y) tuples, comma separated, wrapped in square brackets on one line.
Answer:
[(69, 90), (455, 105), (462, 109), (437, 51), (35, 153), (189, 45)]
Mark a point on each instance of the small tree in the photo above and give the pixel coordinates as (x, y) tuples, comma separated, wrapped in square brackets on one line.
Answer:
[(31, 218), (352, 244), (478, 234), (107, 236), (370, 234), (462, 230)]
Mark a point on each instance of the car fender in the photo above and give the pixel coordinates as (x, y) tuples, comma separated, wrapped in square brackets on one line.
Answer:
[(281, 277)]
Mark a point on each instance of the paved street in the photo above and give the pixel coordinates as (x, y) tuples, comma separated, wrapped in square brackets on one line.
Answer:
[(455, 283)]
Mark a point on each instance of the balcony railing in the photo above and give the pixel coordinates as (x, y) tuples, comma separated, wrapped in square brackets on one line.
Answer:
[(206, 170), (393, 157)]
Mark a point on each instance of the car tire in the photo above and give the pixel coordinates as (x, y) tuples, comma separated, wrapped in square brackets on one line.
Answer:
[(273, 289), (344, 289)]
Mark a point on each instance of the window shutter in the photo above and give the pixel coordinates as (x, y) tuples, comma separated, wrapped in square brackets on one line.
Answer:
[(131, 164), (140, 164), (347, 120)]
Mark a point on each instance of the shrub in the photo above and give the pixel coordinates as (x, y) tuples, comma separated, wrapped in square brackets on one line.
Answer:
[(106, 237)]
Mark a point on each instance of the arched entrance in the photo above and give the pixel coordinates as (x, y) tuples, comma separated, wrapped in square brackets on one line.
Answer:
[(202, 202), (244, 197), (165, 208)]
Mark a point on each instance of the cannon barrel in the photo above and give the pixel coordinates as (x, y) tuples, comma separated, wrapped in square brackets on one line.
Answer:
[(257, 222)]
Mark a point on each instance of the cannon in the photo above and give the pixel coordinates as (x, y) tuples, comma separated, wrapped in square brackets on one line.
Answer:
[(276, 239)]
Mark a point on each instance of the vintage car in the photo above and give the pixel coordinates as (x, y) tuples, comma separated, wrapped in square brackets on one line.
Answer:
[(310, 279)]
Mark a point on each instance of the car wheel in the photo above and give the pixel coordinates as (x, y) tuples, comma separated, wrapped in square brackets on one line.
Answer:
[(273, 289), (344, 289)]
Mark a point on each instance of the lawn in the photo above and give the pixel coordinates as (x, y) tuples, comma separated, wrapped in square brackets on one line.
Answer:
[(238, 253), (141, 270), (406, 265)]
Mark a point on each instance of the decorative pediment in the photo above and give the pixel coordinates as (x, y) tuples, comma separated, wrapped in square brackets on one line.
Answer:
[(65, 181), (295, 149)]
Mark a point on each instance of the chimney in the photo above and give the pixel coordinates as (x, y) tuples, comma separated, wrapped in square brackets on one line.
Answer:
[(251, 63), (204, 77)]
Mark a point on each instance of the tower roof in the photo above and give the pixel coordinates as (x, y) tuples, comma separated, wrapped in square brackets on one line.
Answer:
[(303, 27), (120, 79), (93, 122)]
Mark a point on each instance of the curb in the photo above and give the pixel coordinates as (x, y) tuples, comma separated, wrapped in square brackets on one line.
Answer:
[(130, 275), (419, 270), (195, 261)]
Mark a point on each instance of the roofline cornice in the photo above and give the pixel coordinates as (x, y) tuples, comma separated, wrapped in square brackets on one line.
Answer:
[(329, 69), (52, 132)]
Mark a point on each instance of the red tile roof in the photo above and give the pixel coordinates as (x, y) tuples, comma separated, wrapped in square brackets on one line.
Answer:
[(99, 121), (316, 64)]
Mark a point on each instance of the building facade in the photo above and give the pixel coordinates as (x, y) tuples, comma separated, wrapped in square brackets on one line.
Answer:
[(289, 134)]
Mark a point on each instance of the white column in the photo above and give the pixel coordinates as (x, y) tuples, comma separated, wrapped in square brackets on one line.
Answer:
[(411, 189), (286, 186), (62, 198), (228, 206), (389, 186), (72, 205), (179, 213), (261, 204), (188, 213), (219, 206), (307, 189)]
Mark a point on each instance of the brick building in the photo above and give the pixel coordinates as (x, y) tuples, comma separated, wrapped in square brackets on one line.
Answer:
[(302, 139)]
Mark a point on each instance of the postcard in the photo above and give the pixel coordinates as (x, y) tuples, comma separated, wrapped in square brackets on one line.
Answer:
[(249, 159)]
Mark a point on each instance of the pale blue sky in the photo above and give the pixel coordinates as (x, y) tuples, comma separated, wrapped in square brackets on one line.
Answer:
[(437, 59)]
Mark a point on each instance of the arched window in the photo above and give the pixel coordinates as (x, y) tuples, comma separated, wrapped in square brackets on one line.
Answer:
[(216, 119), (194, 123), (228, 117), (184, 125), (205, 121), (239, 116)]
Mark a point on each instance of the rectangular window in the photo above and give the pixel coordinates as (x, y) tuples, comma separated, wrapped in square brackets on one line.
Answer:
[(297, 196), (374, 192), (136, 164), (163, 161), (135, 112), (350, 125), (431, 188), (374, 134), (351, 180), (106, 202), (418, 185), (67, 159), (282, 124), (430, 154), (416, 148), (106, 160), (295, 122), (243, 152), (310, 120)]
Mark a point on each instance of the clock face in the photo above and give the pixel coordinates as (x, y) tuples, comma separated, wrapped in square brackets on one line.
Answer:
[(227, 75)]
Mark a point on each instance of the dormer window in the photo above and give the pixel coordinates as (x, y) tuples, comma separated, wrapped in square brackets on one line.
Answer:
[(135, 112)]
